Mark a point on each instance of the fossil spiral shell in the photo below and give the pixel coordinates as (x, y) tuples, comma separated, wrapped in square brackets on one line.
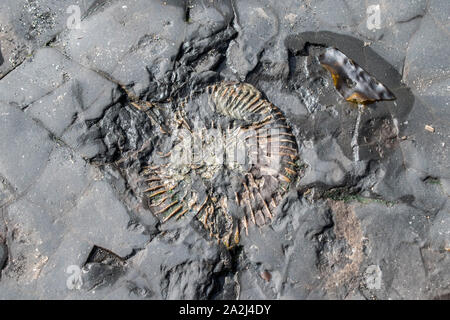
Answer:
[(228, 161)]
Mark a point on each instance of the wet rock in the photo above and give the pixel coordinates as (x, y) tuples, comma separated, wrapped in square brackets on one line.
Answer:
[(368, 218), (321, 168), (433, 65), (30, 24), (64, 101), (406, 233), (66, 172), (89, 213), (175, 272), (437, 9), (130, 46), (293, 258), (258, 26), (28, 146)]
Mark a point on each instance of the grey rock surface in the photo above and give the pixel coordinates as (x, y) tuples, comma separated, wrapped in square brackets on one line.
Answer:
[(369, 217)]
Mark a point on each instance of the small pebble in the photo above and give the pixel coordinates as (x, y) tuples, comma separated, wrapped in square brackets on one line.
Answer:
[(266, 275)]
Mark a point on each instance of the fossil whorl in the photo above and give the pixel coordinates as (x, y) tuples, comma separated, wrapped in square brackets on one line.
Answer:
[(228, 161)]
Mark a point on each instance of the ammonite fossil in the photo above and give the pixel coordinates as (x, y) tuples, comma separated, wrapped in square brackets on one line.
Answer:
[(227, 159)]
